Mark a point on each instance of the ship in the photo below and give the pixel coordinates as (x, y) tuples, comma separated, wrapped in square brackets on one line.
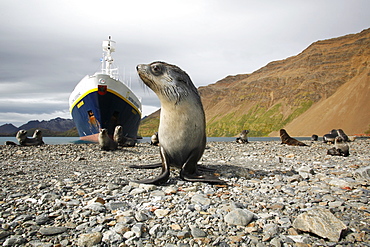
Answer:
[(103, 101)]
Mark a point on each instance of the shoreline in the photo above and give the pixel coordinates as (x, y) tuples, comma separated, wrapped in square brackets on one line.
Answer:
[(69, 194)]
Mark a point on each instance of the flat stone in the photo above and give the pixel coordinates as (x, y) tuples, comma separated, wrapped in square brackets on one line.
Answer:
[(362, 173), (239, 217), (89, 239), (320, 222), (201, 199), (197, 232), (160, 213), (52, 230)]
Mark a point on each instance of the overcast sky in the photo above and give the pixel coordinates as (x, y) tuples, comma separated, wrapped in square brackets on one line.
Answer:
[(47, 47)]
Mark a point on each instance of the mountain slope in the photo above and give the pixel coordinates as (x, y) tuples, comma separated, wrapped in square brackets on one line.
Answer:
[(282, 93), (274, 95), (348, 109)]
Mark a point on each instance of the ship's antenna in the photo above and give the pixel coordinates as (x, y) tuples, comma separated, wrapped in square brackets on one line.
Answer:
[(109, 46)]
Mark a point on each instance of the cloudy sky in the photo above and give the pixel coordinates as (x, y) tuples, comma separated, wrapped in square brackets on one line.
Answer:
[(47, 47)]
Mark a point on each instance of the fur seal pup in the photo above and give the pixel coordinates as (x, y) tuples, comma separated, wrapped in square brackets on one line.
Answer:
[(314, 137), (286, 139), (343, 135), (182, 122), (105, 142), (330, 137), (121, 139), (118, 135), (154, 140), (243, 138), (32, 141), (38, 136), (340, 148)]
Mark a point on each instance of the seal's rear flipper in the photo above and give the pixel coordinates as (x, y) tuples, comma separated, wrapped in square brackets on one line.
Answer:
[(150, 166), (200, 178), (205, 169), (161, 179), (11, 143)]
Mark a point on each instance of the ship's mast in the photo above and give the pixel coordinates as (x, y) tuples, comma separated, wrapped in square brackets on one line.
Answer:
[(109, 46)]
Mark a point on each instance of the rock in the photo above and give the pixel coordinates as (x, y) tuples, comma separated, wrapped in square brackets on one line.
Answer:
[(138, 229), (197, 233), (52, 230), (42, 219), (141, 216), (201, 199), (89, 239), (111, 237), (15, 240), (4, 234), (362, 173), (160, 213), (95, 206), (320, 222), (342, 183), (155, 229), (239, 217), (305, 172)]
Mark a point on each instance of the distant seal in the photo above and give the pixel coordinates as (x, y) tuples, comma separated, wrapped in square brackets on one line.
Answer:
[(118, 135), (286, 139), (330, 137), (121, 139), (105, 142), (29, 141), (38, 136), (343, 135), (243, 138), (182, 122), (314, 137), (154, 140), (340, 148)]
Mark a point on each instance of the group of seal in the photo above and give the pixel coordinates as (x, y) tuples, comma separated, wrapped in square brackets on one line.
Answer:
[(330, 137), (286, 139), (108, 144), (105, 142), (243, 138), (182, 122), (340, 139), (23, 140), (340, 147)]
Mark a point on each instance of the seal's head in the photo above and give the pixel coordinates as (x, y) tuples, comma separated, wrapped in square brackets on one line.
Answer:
[(168, 81), (338, 139), (37, 134), (21, 135)]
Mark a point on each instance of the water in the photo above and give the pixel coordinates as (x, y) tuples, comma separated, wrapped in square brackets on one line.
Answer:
[(76, 140)]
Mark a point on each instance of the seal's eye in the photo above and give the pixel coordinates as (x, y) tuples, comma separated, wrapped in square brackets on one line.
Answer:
[(156, 69)]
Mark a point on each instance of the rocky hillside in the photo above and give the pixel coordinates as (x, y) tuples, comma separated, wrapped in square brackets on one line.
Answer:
[(324, 87), (53, 127)]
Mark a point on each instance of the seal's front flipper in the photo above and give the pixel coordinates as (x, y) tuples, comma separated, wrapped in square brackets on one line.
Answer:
[(150, 166)]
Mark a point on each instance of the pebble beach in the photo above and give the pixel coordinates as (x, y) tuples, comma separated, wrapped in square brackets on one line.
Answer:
[(274, 195)]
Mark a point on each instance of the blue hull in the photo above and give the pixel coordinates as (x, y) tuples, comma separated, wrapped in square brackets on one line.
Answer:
[(96, 111)]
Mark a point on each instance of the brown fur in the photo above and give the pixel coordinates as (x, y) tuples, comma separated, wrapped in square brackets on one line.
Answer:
[(286, 139)]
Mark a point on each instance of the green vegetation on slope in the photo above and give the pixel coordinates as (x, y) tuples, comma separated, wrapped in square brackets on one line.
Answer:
[(148, 126), (258, 120)]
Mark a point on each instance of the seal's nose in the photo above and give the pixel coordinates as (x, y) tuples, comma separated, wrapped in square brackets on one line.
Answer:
[(138, 67)]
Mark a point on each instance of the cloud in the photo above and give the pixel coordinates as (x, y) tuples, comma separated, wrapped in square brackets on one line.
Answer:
[(47, 47)]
